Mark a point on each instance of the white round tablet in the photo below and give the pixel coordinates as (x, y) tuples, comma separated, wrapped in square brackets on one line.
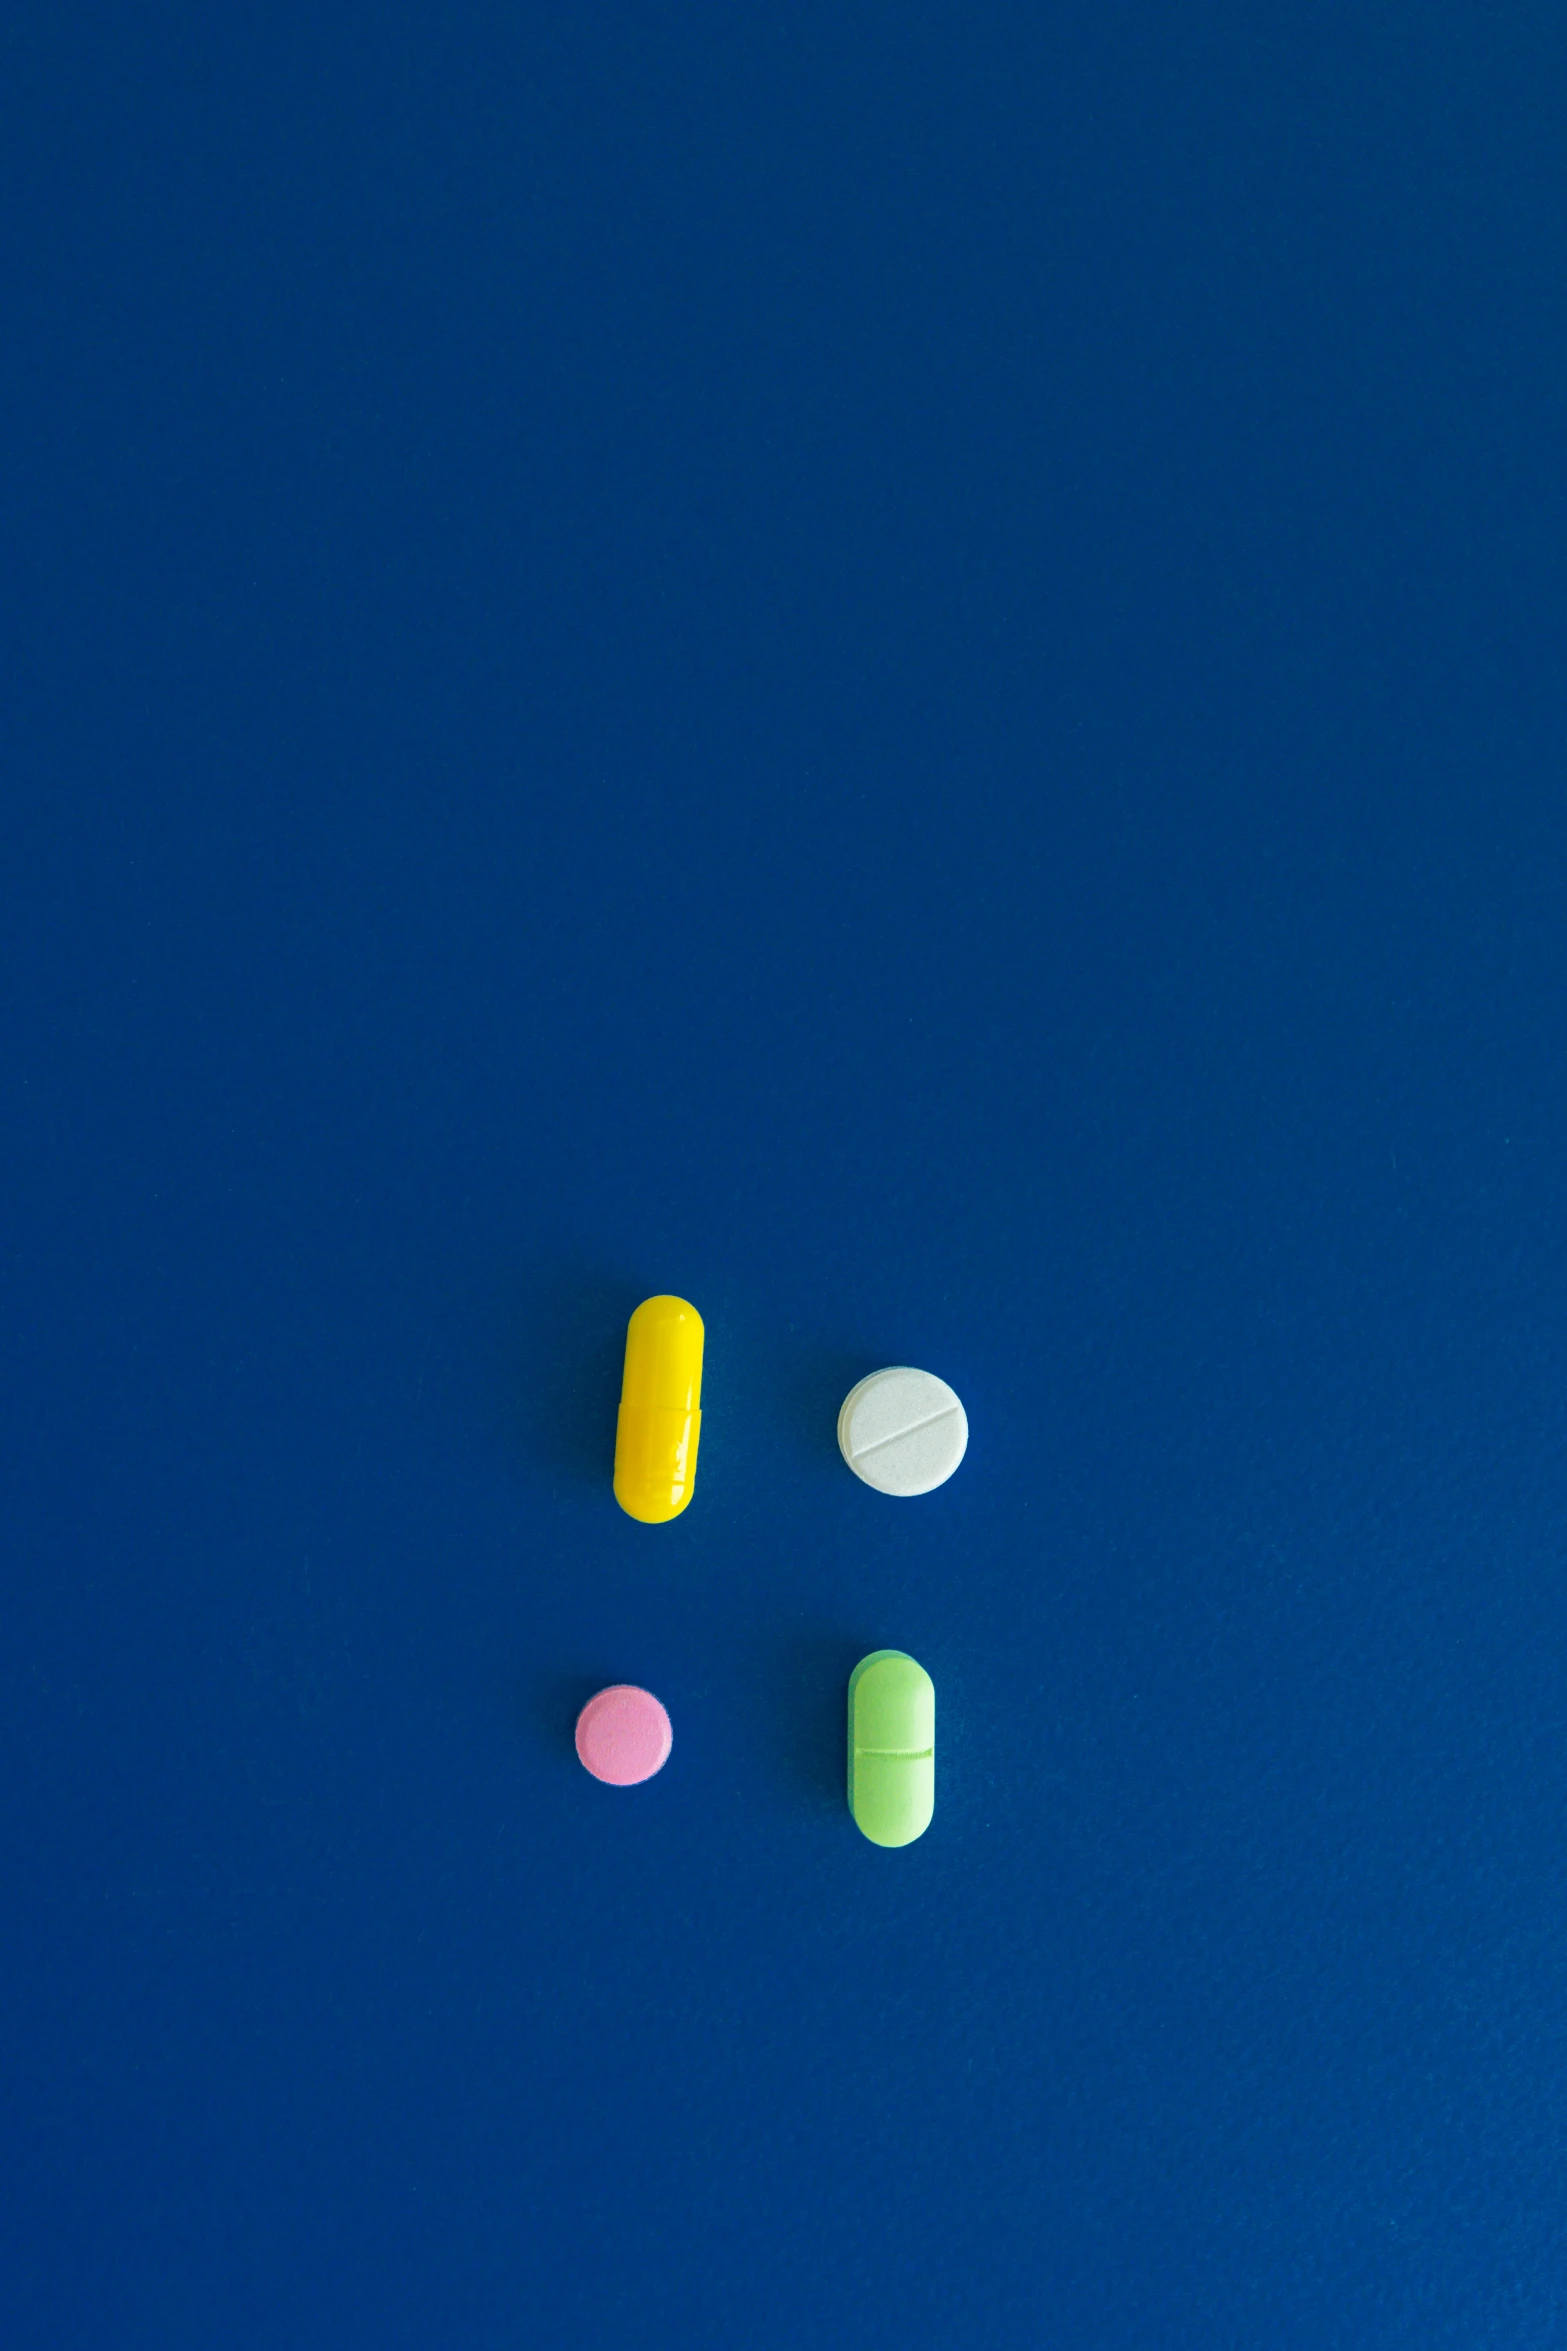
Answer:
[(902, 1431)]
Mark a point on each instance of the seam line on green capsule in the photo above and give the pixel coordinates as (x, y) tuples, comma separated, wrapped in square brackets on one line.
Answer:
[(929, 1421), (899, 1754)]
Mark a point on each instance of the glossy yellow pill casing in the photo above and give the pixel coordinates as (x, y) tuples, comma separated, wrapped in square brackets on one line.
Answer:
[(660, 1410)]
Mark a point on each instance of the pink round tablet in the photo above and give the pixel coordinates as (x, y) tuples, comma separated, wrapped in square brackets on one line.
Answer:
[(623, 1735)]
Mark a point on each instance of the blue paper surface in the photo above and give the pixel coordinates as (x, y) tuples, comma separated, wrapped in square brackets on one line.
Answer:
[(899, 669)]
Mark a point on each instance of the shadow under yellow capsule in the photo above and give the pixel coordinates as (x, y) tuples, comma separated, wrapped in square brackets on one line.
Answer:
[(660, 1410)]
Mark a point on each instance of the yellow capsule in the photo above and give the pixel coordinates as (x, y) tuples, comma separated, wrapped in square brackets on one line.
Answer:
[(660, 1410)]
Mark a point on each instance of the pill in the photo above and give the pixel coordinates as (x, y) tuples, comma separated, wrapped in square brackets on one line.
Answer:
[(623, 1735), (902, 1431), (660, 1410), (892, 1747)]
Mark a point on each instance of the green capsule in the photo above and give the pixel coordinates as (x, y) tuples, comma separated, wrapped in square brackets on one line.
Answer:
[(892, 1747)]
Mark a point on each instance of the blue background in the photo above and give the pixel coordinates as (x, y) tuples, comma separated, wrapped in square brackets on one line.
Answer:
[(900, 668)]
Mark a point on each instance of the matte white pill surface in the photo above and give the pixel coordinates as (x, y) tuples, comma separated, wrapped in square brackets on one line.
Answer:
[(902, 1431)]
